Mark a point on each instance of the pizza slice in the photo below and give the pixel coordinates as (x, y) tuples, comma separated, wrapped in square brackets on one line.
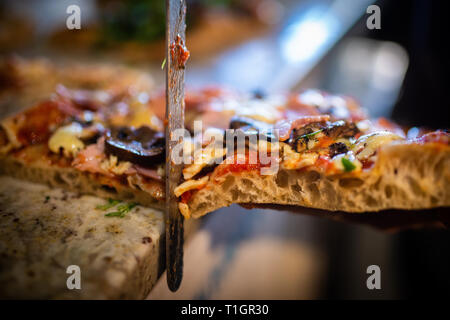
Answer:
[(104, 137), (311, 150), (94, 132)]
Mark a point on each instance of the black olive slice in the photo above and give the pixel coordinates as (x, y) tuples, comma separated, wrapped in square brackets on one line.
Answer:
[(240, 122), (252, 127), (341, 129), (246, 128), (142, 146), (337, 148)]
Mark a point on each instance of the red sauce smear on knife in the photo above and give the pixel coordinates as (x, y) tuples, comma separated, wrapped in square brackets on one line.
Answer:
[(179, 53)]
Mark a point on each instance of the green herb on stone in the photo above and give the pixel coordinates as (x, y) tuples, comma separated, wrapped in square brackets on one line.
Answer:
[(111, 203), (122, 210)]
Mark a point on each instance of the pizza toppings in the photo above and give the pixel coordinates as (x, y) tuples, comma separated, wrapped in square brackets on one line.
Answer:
[(367, 145), (204, 158), (37, 124), (293, 160), (90, 159), (347, 162), (337, 148), (341, 129), (285, 127), (95, 160), (246, 124), (348, 165), (155, 174), (120, 137), (306, 141), (67, 140), (142, 146), (318, 135), (190, 185), (184, 209)]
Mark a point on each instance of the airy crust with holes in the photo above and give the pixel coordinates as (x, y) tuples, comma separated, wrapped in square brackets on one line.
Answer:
[(405, 176), (329, 156)]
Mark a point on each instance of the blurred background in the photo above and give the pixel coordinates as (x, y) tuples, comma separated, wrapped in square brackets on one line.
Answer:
[(265, 46)]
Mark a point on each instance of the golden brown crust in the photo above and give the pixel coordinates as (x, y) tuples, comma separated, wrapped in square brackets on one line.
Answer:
[(149, 193)]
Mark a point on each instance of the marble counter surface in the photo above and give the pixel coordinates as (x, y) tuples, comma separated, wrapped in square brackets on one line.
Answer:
[(43, 231)]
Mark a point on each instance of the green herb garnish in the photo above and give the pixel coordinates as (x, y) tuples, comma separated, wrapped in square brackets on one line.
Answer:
[(304, 139), (348, 165), (111, 203), (122, 210), (163, 64), (309, 135)]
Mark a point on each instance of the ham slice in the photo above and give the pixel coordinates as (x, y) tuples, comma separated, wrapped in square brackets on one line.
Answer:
[(90, 158), (149, 173)]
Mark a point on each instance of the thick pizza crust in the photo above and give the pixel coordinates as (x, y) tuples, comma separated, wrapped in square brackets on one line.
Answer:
[(405, 176), (148, 194)]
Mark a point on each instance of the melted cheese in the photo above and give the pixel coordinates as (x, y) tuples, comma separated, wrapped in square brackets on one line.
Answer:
[(135, 114), (112, 164), (142, 116), (293, 160), (190, 185), (184, 209), (367, 145), (201, 160), (67, 139)]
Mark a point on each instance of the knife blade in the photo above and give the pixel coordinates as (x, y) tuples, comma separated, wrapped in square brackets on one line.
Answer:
[(175, 59)]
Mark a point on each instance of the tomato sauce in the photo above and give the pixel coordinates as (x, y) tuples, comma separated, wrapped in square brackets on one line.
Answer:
[(40, 120), (246, 166), (185, 197), (324, 163)]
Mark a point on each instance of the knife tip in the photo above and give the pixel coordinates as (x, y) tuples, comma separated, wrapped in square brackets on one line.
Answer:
[(173, 283)]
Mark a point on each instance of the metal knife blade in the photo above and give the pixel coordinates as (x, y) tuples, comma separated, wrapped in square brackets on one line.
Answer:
[(175, 37)]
